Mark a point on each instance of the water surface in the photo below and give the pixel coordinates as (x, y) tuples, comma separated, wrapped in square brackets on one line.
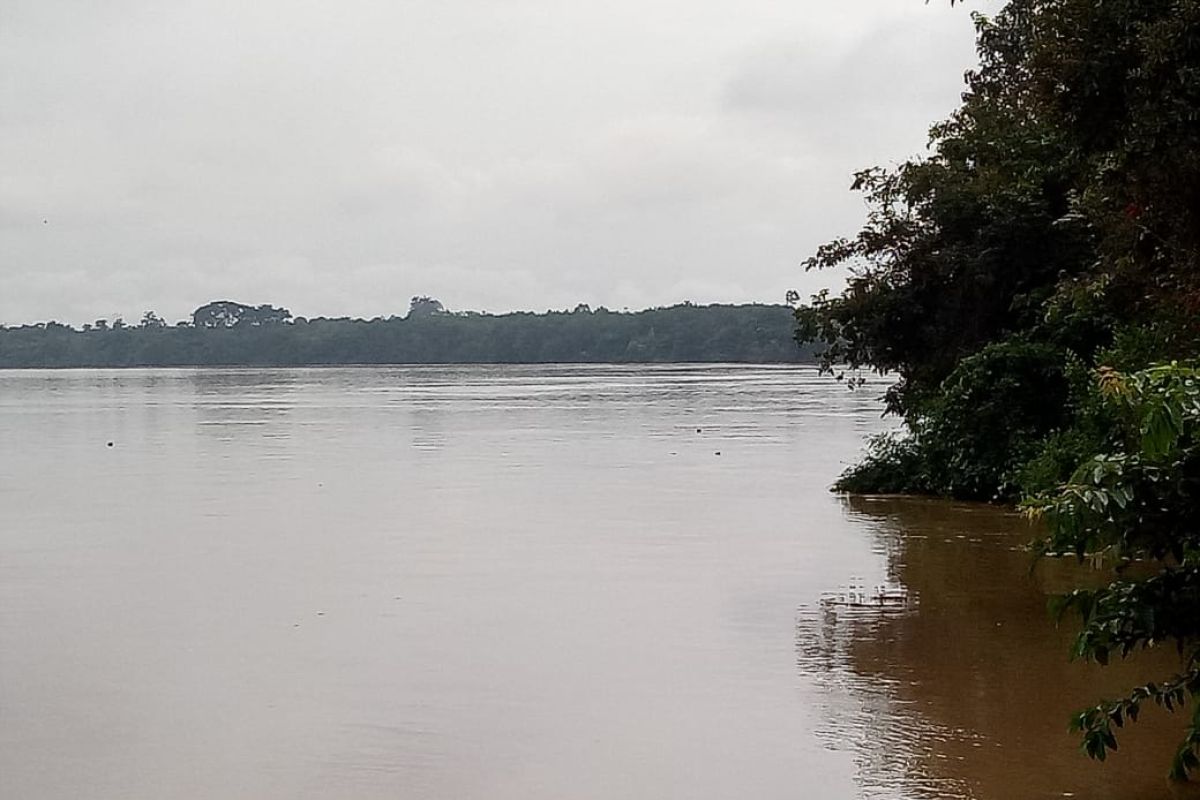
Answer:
[(506, 582)]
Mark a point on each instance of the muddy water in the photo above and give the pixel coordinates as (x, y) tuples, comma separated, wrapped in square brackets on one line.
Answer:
[(517, 582), (967, 693)]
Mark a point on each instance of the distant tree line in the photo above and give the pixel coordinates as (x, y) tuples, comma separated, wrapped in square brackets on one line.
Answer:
[(229, 333)]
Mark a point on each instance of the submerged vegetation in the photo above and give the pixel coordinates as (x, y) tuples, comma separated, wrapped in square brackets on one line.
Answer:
[(229, 333), (1034, 284)]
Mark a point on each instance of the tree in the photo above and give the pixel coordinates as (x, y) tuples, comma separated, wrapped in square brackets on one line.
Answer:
[(1058, 207), (1051, 234), (228, 314), (152, 320), (1138, 501), (267, 314), (218, 314), (424, 306)]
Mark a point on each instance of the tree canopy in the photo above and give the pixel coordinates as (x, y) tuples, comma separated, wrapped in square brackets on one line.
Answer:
[(1030, 283), (227, 314)]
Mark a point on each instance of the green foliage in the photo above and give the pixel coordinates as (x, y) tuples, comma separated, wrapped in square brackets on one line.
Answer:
[(971, 437), (1095, 725), (425, 306), (228, 333), (893, 465), (228, 314), (988, 416), (1054, 227), (960, 249), (1058, 202), (1056, 458), (1088, 427), (1137, 502)]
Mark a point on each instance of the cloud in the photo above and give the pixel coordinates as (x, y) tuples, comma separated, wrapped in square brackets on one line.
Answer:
[(525, 154), (874, 97)]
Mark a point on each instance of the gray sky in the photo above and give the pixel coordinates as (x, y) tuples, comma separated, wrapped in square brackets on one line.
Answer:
[(337, 158)]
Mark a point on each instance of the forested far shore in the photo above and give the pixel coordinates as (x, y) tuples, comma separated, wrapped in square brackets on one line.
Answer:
[(235, 334)]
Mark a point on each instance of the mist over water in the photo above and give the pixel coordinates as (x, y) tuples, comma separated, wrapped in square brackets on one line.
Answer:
[(508, 582)]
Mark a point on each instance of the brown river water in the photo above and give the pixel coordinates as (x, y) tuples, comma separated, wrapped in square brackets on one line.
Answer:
[(513, 582)]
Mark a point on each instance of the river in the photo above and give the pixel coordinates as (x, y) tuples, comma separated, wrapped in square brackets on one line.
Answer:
[(511, 582)]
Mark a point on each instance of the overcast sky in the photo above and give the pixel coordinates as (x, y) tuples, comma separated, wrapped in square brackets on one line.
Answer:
[(338, 158)]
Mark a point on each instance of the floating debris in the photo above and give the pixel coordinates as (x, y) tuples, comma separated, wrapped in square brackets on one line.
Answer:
[(856, 595)]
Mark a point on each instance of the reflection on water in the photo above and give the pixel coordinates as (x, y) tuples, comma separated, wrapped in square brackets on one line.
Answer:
[(507, 582), (968, 693), (863, 714)]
